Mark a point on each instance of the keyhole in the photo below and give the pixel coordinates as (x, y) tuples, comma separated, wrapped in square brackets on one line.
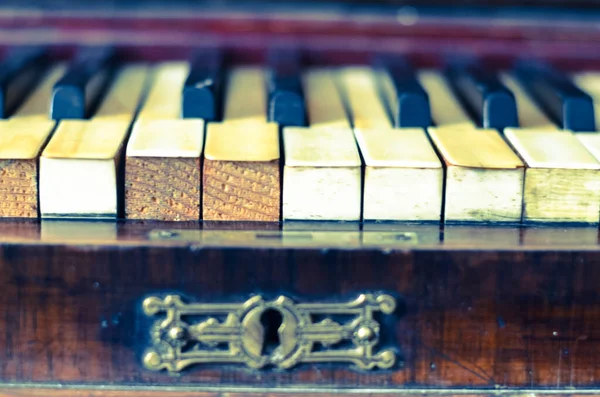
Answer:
[(271, 320)]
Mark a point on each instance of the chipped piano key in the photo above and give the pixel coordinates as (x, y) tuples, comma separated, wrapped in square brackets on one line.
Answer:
[(403, 178), (22, 138), (322, 172), (241, 174), (484, 177), (486, 97), (286, 102), (202, 88), (77, 92), (162, 169), (562, 179), (569, 106), (408, 102), (80, 166)]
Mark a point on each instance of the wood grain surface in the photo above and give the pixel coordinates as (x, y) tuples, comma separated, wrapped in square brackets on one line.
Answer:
[(241, 190), (163, 190), (241, 173)]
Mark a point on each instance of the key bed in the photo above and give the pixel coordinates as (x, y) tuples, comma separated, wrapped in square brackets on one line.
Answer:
[(199, 140)]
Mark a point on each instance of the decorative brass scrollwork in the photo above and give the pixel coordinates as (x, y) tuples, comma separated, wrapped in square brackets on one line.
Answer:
[(240, 336)]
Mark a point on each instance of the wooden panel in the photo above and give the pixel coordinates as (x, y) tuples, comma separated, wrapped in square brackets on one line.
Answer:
[(467, 316), (241, 176), (162, 171)]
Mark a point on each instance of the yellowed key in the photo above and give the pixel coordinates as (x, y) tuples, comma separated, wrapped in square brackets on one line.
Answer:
[(80, 165), (321, 177), (484, 177), (403, 175), (562, 181)]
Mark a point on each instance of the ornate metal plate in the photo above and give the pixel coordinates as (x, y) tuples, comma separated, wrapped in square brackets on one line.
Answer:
[(241, 337)]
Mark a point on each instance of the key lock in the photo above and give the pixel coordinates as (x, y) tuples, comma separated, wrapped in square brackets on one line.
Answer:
[(258, 333)]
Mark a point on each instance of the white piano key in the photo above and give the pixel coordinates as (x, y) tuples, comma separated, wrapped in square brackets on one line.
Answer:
[(80, 165), (403, 175), (484, 177), (322, 172), (562, 179)]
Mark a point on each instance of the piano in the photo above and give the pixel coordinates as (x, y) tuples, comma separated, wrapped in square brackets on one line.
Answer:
[(227, 198)]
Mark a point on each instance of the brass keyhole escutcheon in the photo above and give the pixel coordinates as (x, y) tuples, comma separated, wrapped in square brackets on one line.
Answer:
[(261, 333), (271, 320)]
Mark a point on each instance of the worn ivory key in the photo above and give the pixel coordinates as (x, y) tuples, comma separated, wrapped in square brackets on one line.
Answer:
[(562, 179), (162, 169), (79, 169), (22, 138), (403, 175), (322, 173), (241, 180), (484, 177)]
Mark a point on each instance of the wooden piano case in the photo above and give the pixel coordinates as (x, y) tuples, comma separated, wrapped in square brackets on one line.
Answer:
[(116, 309)]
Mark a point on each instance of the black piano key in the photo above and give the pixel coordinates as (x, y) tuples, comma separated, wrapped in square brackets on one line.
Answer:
[(486, 98), (202, 88), (564, 102), (78, 91), (412, 105), (286, 101), (19, 70)]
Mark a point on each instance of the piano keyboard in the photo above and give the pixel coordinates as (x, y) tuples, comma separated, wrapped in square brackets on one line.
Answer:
[(189, 141)]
